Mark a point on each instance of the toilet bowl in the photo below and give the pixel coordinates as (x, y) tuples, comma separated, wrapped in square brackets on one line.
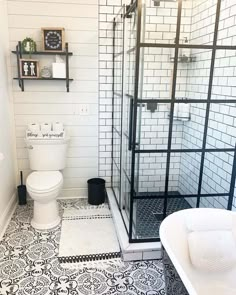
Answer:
[(44, 187)]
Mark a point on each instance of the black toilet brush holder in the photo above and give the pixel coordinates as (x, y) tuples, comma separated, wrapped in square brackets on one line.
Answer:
[(21, 189)]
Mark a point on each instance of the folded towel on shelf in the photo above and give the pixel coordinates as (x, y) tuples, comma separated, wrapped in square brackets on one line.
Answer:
[(182, 112)]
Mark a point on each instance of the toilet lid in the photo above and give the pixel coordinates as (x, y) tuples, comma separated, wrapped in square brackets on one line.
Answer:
[(44, 180)]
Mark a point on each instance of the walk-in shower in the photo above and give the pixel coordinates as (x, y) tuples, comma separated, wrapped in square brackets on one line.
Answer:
[(174, 110)]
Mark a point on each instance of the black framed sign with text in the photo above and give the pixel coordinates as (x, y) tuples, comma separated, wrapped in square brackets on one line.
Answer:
[(53, 39)]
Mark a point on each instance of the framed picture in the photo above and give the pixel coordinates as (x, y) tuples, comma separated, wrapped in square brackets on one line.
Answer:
[(29, 68), (53, 39)]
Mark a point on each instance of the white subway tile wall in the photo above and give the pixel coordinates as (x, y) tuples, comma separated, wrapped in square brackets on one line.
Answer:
[(47, 101)]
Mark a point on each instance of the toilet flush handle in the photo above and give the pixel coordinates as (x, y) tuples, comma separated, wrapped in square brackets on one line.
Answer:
[(29, 147)]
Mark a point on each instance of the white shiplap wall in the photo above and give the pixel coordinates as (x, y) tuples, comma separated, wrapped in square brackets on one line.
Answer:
[(47, 101)]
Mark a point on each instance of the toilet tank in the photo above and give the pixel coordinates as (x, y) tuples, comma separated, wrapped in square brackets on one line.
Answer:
[(47, 154)]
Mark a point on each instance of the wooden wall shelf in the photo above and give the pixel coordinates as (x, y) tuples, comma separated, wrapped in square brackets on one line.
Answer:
[(19, 53)]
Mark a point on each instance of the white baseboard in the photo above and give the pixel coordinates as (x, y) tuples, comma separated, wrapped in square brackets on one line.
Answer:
[(7, 214)]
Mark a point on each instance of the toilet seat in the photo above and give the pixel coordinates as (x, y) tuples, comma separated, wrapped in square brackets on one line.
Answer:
[(44, 181)]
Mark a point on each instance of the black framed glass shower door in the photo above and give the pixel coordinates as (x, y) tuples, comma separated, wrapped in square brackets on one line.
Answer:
[(124, 38), (160, 171)]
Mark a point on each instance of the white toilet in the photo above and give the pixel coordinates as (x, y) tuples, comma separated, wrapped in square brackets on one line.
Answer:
[(46, 158)]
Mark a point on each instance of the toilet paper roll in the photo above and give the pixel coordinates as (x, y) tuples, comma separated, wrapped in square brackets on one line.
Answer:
[(46, 127), (57, 127), (34, 127), (176, 110)]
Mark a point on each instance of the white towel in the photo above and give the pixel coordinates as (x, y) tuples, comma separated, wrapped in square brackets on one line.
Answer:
[(34, 127), (184, 111)]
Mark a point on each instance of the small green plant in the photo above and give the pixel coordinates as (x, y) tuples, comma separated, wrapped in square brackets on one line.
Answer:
[(29, 45)]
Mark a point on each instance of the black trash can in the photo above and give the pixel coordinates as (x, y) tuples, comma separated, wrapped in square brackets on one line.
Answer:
[(96, 191)]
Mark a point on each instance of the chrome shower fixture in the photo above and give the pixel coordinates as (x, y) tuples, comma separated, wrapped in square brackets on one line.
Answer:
[(158, 2)]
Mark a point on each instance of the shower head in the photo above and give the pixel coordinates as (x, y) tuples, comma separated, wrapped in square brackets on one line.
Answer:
[(158, 2)]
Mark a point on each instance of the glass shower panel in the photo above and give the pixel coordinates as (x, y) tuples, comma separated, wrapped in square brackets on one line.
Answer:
[(224, 81), (221, 126), (188, 176), (198, 22), (126, 178), (127, 120), (118, 75), (192, 80), (150, 173), (227, 25), (156, 71), (180, 203), (153, 126), (217, 172), (216, 179), (159, 22), (147, 217), (117, 107), (116, 180), (188, 125)]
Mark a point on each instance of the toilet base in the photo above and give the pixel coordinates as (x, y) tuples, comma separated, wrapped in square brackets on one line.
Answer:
[(40, 226), (46, 215)]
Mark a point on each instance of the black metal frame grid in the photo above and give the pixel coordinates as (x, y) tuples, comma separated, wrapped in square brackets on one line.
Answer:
[(176, 46), (121, 14)]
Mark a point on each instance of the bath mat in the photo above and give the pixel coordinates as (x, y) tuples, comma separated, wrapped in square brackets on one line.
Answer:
[(88, 238)]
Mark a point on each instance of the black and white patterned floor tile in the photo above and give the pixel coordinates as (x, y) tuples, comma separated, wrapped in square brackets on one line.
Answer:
[(29, 265)]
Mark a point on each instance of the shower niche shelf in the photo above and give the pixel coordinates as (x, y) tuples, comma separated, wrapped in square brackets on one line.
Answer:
[(19, 54), (184, 59)]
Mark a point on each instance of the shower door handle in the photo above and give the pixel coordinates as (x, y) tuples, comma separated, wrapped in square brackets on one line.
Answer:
[(131, 112)]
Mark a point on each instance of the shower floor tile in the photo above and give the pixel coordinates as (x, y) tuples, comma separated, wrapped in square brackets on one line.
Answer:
[(149, 215), (29, 265)]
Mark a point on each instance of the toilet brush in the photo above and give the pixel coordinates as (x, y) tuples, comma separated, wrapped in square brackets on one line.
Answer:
[(21, 191)]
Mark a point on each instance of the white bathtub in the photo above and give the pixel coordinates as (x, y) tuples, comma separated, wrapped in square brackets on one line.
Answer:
[(174, 237)]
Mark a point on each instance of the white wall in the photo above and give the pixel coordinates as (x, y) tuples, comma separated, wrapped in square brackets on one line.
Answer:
[(7, 143), (47, 101)]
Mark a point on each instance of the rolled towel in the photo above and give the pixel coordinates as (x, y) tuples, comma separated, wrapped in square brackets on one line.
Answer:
[(45, 127), (57, 127), (184, 111), (34, 127)]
